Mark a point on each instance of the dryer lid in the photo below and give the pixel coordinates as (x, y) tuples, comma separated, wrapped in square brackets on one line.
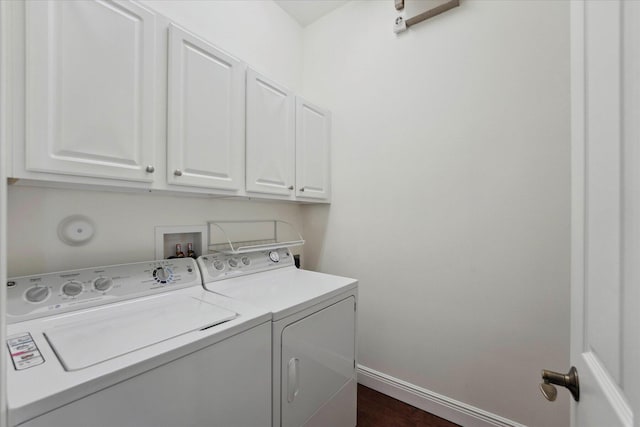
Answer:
[(102, 334)]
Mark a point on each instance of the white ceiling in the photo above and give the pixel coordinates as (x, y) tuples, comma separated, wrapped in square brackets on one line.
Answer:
[(308, 11)]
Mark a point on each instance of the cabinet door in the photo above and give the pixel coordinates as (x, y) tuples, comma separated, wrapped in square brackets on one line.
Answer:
[(318, 358), (270, 136), (90, 89), (206, 114), (313, 136)]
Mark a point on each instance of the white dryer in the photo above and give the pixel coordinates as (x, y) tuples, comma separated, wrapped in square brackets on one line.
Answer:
[(135, 345), (314, 332)]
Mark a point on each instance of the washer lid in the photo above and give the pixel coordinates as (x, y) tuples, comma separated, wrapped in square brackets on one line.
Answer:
[(112, 331)]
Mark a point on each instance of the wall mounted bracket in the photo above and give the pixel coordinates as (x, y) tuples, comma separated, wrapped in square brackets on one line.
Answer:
[(406, 23)]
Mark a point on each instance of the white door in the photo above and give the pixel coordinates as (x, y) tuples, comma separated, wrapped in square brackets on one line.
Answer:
[(270, 136), (90, 89), (605, 330), (318, 358), (313, 136), (206, 114)]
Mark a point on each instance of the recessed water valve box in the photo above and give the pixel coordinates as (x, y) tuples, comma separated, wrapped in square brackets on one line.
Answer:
[(167, 237)]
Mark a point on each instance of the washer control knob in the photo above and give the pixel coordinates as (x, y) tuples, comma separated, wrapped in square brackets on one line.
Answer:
[(246, 260), (37, 294), (102, 284), (218, 265), (274, 256), (233, 263), (72, 289), (160, 274)]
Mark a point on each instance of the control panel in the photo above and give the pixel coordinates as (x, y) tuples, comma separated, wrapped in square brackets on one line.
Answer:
[(29, 297), (219, 266)]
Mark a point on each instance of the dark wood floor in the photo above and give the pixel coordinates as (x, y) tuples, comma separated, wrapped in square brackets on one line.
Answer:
[(379, 410)]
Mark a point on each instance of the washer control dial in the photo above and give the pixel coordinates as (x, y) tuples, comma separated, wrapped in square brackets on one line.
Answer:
[(37, 294), (162, 275), (72, 289), (274, 256), (233, 263), (218, 265), (246, 260), (102, 284)]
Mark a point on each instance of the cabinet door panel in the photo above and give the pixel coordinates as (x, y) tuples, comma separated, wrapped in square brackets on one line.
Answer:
[(313, 135), (90, 89), (270, 136), (206, 114), (318, 358)]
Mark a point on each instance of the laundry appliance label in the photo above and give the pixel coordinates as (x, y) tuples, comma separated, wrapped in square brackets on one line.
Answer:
[(24, 352)]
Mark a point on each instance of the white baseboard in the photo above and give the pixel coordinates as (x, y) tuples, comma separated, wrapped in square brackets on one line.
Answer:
[(437, 404)]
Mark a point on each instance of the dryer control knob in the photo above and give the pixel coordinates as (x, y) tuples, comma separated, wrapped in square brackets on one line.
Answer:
[(246, 260), (274, 256), (233, 263), (218, 265), (37, 294), (72, 289), (102, 284)]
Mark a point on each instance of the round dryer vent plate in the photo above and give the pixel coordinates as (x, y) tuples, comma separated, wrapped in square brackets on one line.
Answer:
[(76, 230)]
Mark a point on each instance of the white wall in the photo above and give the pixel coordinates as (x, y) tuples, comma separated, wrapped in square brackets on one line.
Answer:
[(258, 32), (125, 225), (451, 195)]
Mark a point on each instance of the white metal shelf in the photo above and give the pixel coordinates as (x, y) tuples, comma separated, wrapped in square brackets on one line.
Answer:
[(238, 237)]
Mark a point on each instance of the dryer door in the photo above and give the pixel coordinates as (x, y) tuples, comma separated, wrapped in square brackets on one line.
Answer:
[(318, 359)]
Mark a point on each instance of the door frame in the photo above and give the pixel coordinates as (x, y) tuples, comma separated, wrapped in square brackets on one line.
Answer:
[(4, 141)]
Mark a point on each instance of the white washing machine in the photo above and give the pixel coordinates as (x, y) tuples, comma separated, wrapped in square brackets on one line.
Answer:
[(135, 345), (314, 332)]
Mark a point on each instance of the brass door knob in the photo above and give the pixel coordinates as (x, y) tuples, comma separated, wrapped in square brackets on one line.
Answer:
[(569, 380)]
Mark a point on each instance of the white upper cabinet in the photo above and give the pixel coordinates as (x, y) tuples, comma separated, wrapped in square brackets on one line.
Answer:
[(205, 114), (90, 77), (110, 93), (270, 140), (313, 136)]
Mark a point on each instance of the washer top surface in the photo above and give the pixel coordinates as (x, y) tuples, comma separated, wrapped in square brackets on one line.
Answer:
[(74, 342), (283, 291)]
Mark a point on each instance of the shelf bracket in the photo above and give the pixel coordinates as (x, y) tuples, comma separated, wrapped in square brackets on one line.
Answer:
[(432, 12)]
